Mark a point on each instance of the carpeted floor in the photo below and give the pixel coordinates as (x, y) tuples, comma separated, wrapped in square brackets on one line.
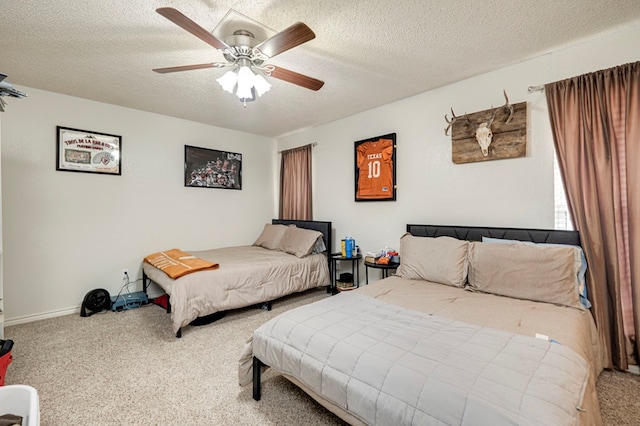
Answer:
[(619, 395), (128, 368)]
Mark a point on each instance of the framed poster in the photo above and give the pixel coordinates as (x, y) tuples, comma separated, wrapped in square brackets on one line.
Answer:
[(210, 168), (87, 151), (375, 168)]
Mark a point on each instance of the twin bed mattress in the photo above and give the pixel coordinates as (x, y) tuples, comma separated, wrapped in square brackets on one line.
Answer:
[(247, 275)]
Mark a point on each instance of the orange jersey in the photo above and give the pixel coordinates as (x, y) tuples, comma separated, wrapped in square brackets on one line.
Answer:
[(375, 169)]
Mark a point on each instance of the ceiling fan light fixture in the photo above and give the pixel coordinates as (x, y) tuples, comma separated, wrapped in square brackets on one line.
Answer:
[(228, 81), (261, 85), (250, 99), (246, 83), (246, 79)]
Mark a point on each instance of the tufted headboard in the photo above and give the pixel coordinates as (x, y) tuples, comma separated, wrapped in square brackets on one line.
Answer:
[(475, 233)]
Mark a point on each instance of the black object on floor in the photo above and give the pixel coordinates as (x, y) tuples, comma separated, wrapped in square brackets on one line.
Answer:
[(95, 301), (208, 319)]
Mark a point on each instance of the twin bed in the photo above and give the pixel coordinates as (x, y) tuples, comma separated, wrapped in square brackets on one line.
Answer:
[(478, 326), (289, 256)]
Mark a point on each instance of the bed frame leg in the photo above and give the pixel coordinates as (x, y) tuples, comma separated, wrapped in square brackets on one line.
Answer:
[(257, 369), (266, 306), (179, 333)]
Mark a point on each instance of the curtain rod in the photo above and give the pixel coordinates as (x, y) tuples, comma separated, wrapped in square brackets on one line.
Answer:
[(312, 145), (539, 88)]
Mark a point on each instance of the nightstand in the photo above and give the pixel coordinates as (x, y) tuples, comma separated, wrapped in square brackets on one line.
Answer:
[(355, 269), (385, 268)]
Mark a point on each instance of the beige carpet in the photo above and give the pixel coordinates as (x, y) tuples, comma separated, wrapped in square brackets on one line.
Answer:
[(128, 368)]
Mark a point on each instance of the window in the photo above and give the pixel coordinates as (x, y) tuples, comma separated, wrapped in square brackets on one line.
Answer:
[(562, 217)]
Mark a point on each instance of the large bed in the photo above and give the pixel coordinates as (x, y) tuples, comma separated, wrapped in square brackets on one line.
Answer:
[(497, 333), (289, 256)]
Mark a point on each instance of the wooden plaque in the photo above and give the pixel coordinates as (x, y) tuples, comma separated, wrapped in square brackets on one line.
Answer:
[(509, 140)]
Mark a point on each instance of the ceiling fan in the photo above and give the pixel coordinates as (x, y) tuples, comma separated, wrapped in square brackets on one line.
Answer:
[(247, 56), (7, 89)]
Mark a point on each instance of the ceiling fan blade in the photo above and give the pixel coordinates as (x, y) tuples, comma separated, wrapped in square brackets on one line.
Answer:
[(190, 67), (296, 78), (181, 20), (286, 39)]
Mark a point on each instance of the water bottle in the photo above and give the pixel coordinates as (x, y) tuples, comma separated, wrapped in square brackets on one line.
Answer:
[(348, 247)]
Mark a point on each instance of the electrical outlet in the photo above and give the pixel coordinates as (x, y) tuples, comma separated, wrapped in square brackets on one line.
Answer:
[(125, 273)]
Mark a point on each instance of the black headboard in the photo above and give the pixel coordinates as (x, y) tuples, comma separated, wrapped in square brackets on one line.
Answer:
[(324, 227), (475, 233)]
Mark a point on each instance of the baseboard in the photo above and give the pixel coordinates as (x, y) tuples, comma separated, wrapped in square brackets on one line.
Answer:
[(635, 369), (45, 315), (52, 314)]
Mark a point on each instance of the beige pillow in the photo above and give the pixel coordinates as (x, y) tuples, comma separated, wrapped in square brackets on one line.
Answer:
[(271, 236), (299, 241), (440, 259), (525, 271)]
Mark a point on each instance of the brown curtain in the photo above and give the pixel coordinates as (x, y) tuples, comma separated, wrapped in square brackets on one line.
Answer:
[(595, 120), (295, 184)]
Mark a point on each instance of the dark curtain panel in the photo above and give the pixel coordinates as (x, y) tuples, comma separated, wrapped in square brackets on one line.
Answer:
[(595, 120), (295, 184)]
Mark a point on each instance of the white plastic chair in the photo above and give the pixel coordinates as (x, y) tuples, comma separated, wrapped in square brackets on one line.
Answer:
[(21, 400)]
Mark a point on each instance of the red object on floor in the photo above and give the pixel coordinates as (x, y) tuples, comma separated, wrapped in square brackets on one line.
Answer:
[(162, 301), (5, 360)]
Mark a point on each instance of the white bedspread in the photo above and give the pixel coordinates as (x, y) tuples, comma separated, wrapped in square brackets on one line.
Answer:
[(388, 365)]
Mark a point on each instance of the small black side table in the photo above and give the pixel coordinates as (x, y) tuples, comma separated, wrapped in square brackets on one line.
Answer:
[(355, 269), (385, 268)]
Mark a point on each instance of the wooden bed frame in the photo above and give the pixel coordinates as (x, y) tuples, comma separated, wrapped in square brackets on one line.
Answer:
[(469, 233), (322, 226)]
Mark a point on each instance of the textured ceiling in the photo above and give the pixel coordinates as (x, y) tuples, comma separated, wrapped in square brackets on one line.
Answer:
[(368, 52)]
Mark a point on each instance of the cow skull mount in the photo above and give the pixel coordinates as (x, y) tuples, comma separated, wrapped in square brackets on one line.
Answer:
[(484, 134)]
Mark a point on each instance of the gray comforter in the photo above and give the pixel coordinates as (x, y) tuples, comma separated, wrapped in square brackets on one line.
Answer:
[(388, 365)]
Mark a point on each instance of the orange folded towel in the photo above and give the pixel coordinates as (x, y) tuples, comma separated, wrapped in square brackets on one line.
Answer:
[(177, 263)]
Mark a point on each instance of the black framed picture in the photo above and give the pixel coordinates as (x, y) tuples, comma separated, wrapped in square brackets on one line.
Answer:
[(87, 151), (375, 168), (210, 168)]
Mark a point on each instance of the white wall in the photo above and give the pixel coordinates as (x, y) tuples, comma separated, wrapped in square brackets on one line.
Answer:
[(433, 190), (66, 233)]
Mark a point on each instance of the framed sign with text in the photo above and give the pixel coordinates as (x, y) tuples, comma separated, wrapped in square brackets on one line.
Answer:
[(375, 169), (87, 151)]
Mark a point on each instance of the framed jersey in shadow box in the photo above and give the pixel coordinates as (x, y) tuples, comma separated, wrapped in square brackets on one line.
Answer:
[(375, 168)]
